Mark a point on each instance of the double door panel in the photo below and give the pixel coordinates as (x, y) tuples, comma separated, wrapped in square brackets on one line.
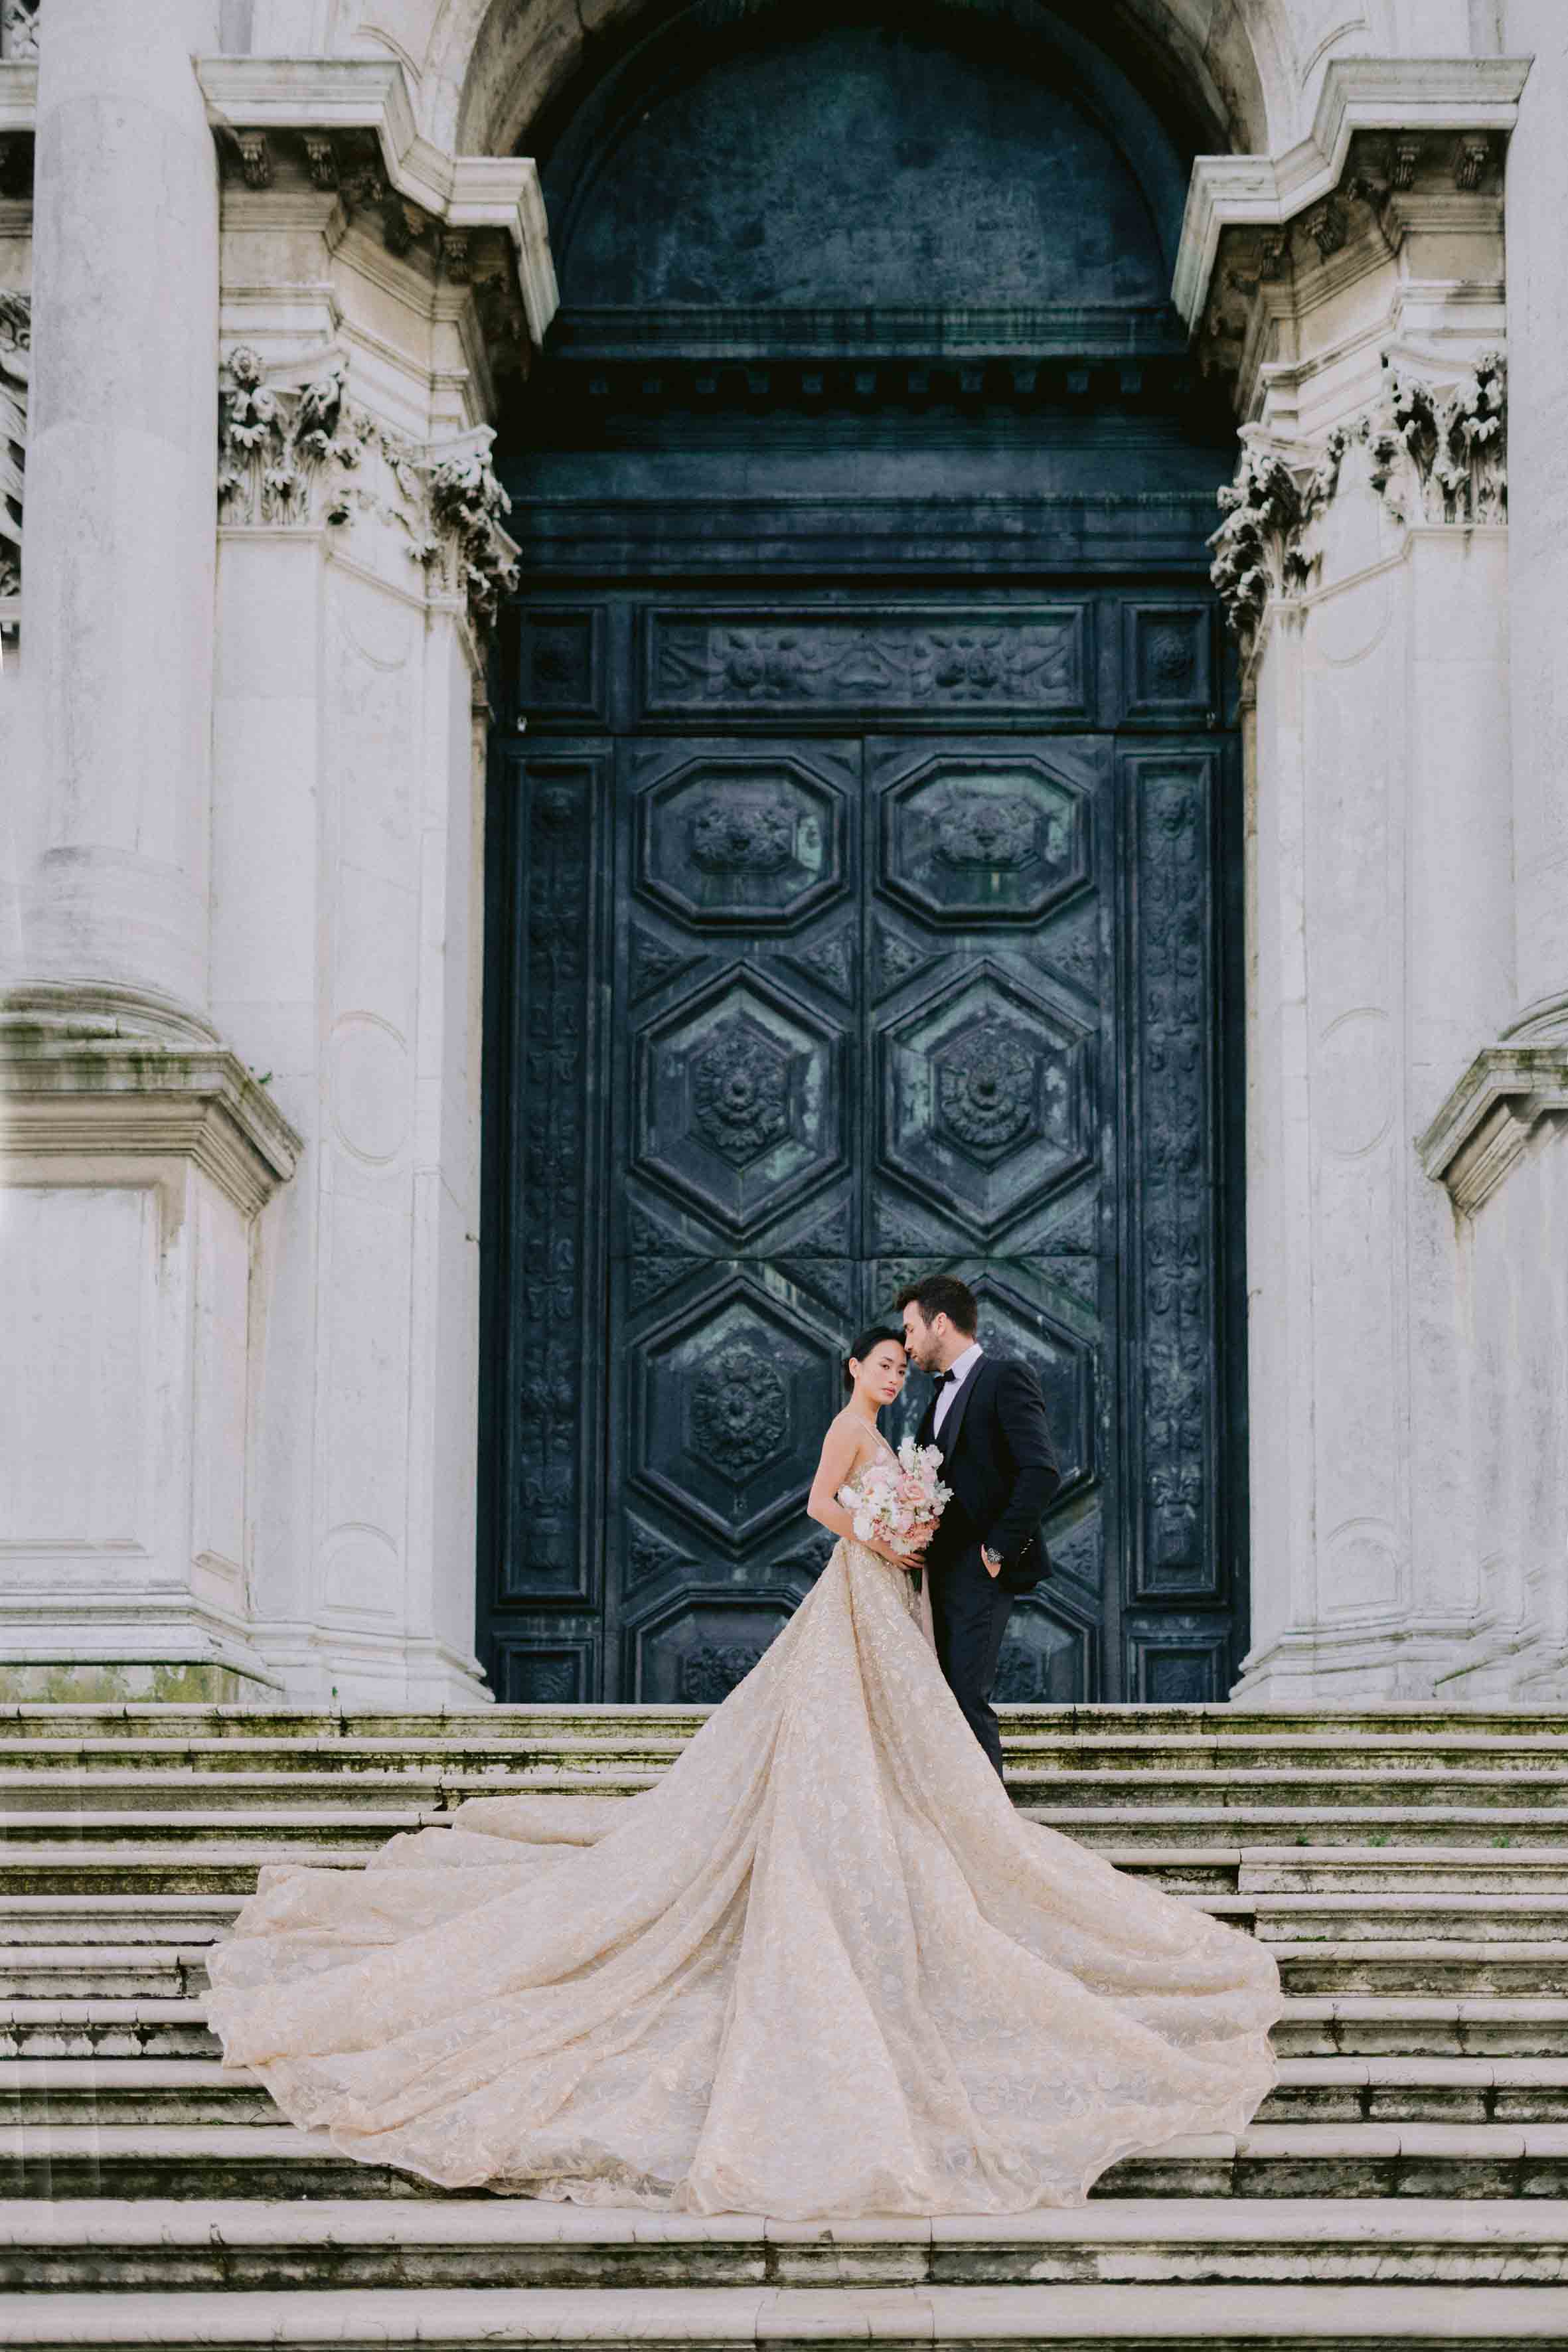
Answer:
[(800, 1013)]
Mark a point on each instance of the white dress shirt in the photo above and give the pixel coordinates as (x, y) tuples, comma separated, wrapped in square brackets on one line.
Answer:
[(960, 1368)]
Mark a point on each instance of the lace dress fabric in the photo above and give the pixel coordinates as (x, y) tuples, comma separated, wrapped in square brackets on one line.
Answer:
[(821, 1967)]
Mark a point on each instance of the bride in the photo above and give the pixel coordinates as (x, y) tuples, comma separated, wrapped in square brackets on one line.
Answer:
[(820, 1968)]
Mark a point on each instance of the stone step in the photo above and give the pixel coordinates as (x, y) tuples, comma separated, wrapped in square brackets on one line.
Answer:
[(126, 1894), (169, 1721), (1342, 2159), (492, 2243), (1036, 1773), (1247, 2318), (174, 2027), (315, 1749), (329, 1834), (1438, 1967), (1505, 1830), (160, 1965), (1233, 1818), (177, 2091)]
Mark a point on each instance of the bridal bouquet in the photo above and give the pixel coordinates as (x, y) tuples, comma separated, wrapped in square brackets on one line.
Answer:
[(898, 1506)]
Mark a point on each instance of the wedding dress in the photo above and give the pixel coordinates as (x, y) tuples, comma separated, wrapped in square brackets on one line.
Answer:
[(821, 1967)]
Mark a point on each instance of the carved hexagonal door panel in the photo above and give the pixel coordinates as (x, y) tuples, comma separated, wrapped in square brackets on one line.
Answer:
[(738, 1102), (987, 1101), (804, 1009), (729, 1402)]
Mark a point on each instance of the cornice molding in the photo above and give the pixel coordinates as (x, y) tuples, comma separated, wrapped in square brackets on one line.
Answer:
[(250, 98), (1490, 1116), (99, 1072), (1421, 95)]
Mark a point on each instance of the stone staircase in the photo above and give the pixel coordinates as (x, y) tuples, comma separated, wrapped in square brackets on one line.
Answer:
[(1407, 2183)]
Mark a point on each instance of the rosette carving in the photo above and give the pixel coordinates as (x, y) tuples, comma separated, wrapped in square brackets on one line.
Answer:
[(740, 1412)]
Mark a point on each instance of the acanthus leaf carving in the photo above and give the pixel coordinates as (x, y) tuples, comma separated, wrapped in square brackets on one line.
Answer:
[(1259, 550), (302, 453), (19, 29), (1436, 455), (1441, 455)]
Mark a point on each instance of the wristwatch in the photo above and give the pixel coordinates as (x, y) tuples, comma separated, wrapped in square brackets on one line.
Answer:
[(992, 1559)]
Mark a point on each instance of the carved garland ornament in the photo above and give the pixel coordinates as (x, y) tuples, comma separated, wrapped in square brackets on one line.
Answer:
[(1437, 457), (16, 355), (303, 454)]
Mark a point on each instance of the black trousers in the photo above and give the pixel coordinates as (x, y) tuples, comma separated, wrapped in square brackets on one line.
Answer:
[(969, 1612)]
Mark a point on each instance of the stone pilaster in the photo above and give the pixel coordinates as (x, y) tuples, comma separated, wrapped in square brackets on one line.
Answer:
[(374, 292), (1357, 305)]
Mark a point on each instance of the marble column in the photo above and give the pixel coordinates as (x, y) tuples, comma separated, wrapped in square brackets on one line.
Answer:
[(120, 522)]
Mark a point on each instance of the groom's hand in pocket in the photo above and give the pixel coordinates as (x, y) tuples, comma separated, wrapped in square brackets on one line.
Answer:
[(992, 1561)]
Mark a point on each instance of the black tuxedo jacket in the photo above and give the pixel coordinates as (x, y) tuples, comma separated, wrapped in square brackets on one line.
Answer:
[(997, 1458)]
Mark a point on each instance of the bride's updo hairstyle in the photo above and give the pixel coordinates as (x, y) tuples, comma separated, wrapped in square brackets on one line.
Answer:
[(870, 1339)]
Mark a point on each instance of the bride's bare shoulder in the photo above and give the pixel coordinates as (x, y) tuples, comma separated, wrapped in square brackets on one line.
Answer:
[(844, 1433)]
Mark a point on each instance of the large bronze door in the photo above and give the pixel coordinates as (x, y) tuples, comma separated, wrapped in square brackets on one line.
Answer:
[(848, 940)]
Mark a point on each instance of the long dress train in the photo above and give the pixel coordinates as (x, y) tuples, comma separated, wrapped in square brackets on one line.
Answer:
[(822, 1966)]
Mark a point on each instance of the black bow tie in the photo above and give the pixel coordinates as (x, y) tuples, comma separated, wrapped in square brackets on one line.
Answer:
[(943, 1379)]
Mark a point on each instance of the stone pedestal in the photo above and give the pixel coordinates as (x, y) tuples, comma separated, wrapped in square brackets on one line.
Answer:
[(139, 1153)]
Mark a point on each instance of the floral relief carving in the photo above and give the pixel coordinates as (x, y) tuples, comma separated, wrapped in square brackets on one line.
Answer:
[(1177, 1273), (731, 835), (16, 362), (303, 454), (985, 1088), (738, 1410), (548, 1395), (975, 831), (710, 1674), (740, 1092), (838, 662)]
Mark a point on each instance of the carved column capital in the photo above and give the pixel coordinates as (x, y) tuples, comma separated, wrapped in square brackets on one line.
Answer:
[(1436, 453), (19, 28), (296, 453)]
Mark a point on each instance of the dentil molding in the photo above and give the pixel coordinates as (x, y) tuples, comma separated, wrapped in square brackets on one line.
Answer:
[(294, 451), (1437, 453), (347, 124), (1461, 106), (93, 1072)]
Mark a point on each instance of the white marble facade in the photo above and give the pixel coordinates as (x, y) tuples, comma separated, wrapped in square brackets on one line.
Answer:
[(248, 542)]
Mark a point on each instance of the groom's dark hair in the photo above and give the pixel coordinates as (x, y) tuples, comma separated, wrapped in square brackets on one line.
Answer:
[(943, 1294)]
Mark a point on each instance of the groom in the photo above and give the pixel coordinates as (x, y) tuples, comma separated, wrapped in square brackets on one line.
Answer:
[(988, 1419)]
